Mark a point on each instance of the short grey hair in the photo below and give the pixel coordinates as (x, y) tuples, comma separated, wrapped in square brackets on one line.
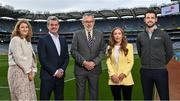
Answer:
[(52, 18), (87, 14)]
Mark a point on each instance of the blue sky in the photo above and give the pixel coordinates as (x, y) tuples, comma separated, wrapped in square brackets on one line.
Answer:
[(78, 5)]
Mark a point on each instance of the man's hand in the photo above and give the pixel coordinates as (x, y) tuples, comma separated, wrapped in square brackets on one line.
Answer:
[(60, 73), (89, 65), (92, 64), (86, 65)]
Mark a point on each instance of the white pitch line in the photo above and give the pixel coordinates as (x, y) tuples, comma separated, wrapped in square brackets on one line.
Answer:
[(69, 80), (6, 87), (4, 59)]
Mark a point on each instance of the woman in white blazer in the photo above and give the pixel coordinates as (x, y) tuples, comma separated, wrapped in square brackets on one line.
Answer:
[(120, 60), (22, 63)]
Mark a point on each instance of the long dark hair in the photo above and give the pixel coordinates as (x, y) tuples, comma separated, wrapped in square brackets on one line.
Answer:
[(112, 42)]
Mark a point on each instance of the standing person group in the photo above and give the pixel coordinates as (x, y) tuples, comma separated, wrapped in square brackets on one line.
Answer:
[(88, 49)]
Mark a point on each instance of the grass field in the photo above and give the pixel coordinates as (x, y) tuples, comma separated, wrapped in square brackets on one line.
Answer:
[(70, 88)]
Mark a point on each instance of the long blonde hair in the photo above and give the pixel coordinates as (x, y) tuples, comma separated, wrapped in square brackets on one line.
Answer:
[(112, 42), (16, 31)]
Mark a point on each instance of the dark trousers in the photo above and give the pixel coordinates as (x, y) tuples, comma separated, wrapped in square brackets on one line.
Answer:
[(126, 91), (159, 77), (49, 85), (93, 80)]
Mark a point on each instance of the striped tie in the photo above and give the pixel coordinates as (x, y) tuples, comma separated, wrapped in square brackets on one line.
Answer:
[(90, 41)]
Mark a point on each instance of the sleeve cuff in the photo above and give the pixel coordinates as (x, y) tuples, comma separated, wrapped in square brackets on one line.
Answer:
[(55, 73), (28, 71), (61, 69), (34, 70), (83, 62)]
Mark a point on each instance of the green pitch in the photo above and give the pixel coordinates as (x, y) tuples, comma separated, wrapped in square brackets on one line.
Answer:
[(70, 87)]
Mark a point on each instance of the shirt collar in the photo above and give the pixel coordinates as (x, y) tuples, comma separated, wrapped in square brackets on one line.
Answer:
[(90, 32), (154, 27), (53, 36)]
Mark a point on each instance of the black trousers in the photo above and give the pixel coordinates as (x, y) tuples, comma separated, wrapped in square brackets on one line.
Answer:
[(50, 85), (159, 77), (126, 91)]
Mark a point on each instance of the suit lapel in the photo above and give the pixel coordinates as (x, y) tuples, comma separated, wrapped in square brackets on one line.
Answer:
[(61, 45), (34, 56), (94, 36), (84, 37), (53, 44)]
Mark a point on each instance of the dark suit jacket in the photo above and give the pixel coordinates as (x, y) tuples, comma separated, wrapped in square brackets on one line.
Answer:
[(81, 51), (48, 56)]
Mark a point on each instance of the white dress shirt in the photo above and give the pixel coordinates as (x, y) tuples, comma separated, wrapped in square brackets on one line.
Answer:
[(91, 33), (58, 46), (116, 52), (56, 42)]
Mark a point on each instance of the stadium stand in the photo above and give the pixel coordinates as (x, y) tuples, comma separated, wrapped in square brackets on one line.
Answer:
[(132, 26), (129, 19), (3, 48)]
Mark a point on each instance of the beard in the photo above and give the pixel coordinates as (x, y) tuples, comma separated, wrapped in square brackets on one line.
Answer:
[(150, 26)]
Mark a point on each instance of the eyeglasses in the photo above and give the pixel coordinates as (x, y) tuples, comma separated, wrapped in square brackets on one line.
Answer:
[(88, 21)]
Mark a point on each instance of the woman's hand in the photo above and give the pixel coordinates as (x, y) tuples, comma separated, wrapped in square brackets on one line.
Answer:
[(31, 76), (121, 76), (115, 78)]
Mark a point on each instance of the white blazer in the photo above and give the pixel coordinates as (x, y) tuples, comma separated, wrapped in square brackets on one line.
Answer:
[(21, 54)]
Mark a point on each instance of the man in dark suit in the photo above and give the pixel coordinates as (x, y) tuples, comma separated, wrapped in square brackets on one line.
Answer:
[(53, 57), (88, 50)]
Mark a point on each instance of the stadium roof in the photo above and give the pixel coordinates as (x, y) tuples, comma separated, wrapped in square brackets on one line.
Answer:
[(8, 11)]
